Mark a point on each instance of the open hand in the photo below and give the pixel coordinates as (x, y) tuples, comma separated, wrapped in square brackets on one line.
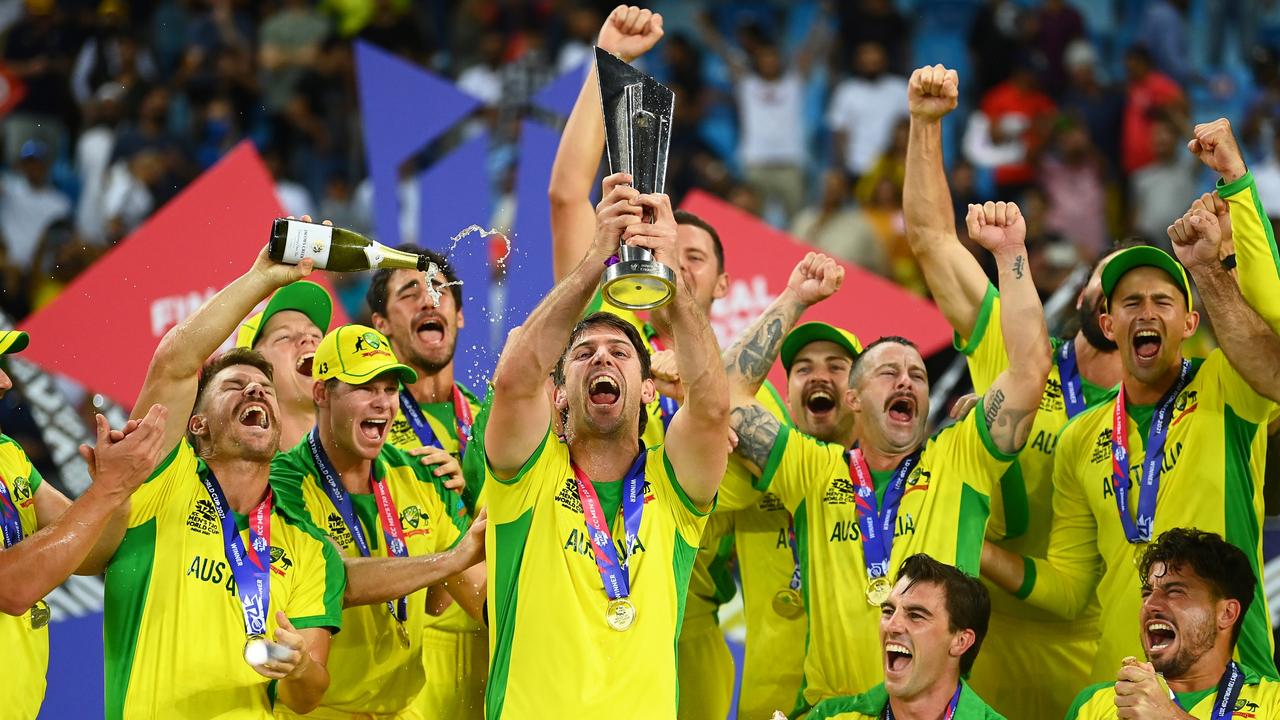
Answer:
[(123, 459), (447, 466)]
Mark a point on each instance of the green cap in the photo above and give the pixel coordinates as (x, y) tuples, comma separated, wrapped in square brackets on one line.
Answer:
[(13, 341), (303, 296), (1143, 256), (813, 331)]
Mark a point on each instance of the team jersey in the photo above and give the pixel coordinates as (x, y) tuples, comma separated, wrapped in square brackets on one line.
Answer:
[(551, 648), (943, 512), (1257, 258), (1211, 480), (28, 646), (173, 629), (1021, 514), (711, 582), (1259, 700), (443, 423), (870, 705), (371, 671)]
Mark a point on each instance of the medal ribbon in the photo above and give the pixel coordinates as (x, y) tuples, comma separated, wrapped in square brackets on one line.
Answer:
[(461, 417), (1140, 532), (951, 706), (1228, 692), (795, 553), (877, 524), (341, 500), (667, 406), (1069, 374), (615, 575), (10, 518), (251, 571)]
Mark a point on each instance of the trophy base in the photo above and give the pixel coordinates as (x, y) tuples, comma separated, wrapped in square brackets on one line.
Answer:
[(639, 284)]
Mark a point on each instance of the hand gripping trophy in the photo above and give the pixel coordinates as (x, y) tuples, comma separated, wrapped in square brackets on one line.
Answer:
[(637, 125)]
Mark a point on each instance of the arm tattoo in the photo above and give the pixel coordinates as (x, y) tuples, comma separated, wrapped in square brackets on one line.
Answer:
[(1017, 267), (757, 432), (760, 350), (991, 406)]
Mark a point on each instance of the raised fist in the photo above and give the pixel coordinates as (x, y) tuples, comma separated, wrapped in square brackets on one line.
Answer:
[(932, 92), (815, 278), (1196, 237), (996, 225), (630, 32), (1216, 146)]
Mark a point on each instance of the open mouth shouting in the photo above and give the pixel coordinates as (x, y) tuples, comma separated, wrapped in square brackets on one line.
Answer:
[(603, 390), (430, 329), (303, 366), (254, 415), (820, 401), (373, 429), (1146, 344), (1159, 635), (897, 658), (901, 408)]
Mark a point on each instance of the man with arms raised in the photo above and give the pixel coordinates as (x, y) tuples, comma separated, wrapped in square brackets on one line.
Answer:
[(436, 413), (859, 512), (931, 628), (1196, 592), (1182, 444), (45, 537), (375, 500), (1085, 367), (593, 535), (212, 565)]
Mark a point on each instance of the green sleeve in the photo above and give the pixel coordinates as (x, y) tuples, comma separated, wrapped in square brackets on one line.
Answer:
[(321, 582), (34, 478), (1257, 259)]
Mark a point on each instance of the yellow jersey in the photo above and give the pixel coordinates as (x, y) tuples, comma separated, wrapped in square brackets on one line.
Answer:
[(943, 512), (870, 705), (550, 647), (1259, 700), (1257, 258), (27, 645), (371, 670), (1211, 480), (173, 627)]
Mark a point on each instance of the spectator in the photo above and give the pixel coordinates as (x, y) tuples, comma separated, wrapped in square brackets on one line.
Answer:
[(29, 203), (864, 109), (891, 165), (995, 39), (38, 49), (1018, 113), (219, 132), (1163, 189), (289, 46), (482, 80), (60, 258), (111, 54), (864, 21), (94, 149), (835, 227), (1098, 105), (581, 26), (294, 198), (130, 192), (884, 213), (339, 204), (1072, 178), (1149, 91), (1055, 26), (1267, 176), (1164, 32), (771, 123)]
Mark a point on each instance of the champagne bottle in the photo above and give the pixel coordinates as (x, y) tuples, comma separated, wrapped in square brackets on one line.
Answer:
[(337, 249)]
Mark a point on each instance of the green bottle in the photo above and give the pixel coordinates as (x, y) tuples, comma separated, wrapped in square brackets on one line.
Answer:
[(337, 249)]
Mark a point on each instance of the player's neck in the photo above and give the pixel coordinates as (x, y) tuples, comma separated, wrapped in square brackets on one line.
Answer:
[(880, 457), (243, 481), (353, 470), (1139, 392), (1205, 672), (931, 704), (433, 386), (295, 423), (603, 459), (1103, 369)]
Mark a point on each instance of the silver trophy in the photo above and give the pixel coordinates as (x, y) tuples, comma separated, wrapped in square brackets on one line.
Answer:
[(637, 128)]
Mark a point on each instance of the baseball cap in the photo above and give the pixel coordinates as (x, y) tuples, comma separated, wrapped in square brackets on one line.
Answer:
[(356, 354), (13, 341), (303, 296), (1143, 256), (813, 331)]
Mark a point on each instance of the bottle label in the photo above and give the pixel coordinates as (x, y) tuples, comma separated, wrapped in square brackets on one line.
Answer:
[(373, 253), (307, 240)]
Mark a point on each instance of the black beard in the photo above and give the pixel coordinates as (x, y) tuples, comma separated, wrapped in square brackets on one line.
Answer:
[(1193, 646), (1088, 319)]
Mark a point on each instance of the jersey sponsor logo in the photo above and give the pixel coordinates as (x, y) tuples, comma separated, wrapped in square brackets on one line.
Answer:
[(1045, 442), (769, 502), (1051, 400), (840, 492), (580, 542), (1245, 708), (203, 519), (568, 497), (337, 529), (1102, 448), (1171, 457), (22, 492), (848, 530), (281, 563), (1187, 402), (415, 521), (402, 434), (646, 491)]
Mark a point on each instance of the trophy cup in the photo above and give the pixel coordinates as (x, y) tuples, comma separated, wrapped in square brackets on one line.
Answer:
[(637, 126)]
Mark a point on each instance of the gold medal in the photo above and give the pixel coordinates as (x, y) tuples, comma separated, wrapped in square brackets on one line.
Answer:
[(402, 633), (620, 614), (787, 603), (878, 591), (39, 615)]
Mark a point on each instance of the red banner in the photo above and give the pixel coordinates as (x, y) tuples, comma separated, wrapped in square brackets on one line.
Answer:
[(760, 258), (103, 329)]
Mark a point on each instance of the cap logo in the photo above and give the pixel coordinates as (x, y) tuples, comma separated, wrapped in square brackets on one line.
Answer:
[(369, 345)]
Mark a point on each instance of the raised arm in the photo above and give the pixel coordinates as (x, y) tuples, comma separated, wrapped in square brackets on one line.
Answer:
[(520, 413), (175, 367), (747, 362), (1251, 346), (954, 277), (629, 32), (702, 422), (119, 463), (1010, 404)]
